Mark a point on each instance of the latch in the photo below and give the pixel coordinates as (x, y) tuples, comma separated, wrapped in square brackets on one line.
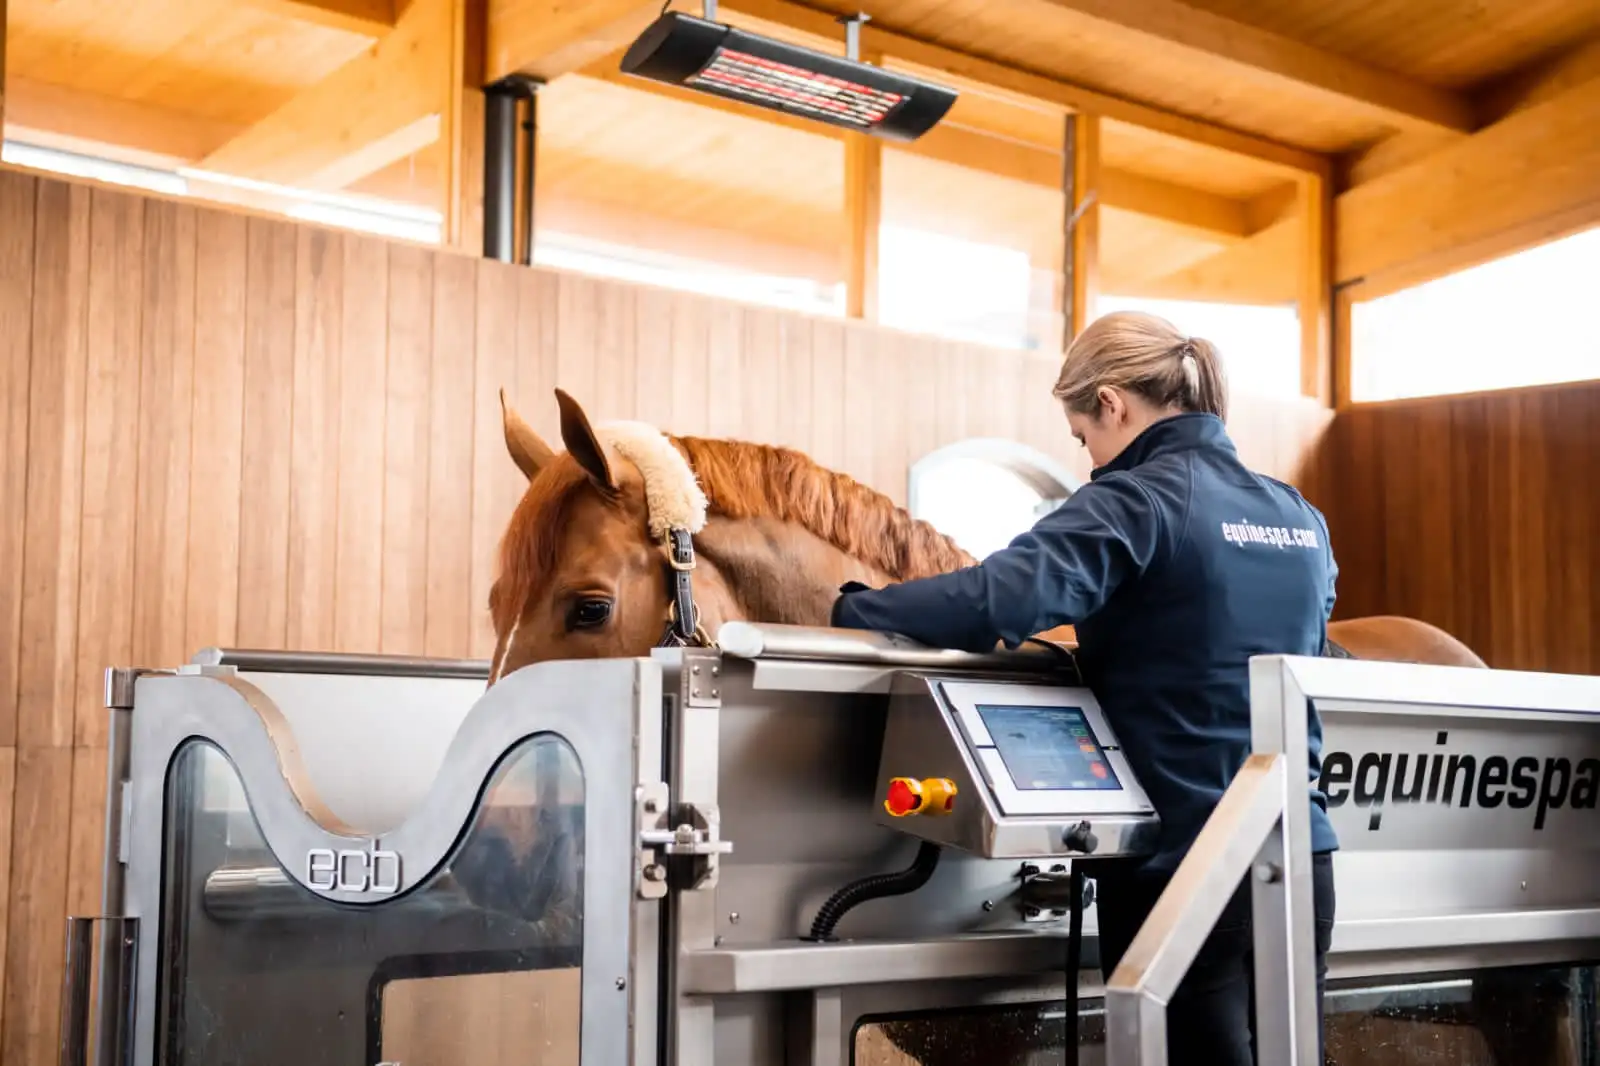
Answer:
[(677, 849)]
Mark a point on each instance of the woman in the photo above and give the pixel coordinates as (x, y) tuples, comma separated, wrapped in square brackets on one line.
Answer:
[(1176, 563)]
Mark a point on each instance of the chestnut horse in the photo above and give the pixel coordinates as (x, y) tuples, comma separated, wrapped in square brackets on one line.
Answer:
[(585, 568)]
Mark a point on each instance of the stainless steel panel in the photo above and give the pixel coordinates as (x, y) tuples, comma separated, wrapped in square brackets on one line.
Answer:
[(593, 706), (1409, 781), (792, 966)]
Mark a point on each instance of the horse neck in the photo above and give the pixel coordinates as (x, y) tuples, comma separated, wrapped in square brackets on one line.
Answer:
[(767, 570)]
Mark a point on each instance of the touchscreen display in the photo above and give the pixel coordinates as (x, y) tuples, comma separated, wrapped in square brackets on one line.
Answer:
[(1048, 747)]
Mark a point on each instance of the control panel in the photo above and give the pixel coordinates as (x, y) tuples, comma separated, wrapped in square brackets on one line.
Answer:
[(1009, 770)]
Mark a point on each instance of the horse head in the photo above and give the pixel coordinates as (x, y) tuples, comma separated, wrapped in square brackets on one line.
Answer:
[(588, 567), (585, 564)]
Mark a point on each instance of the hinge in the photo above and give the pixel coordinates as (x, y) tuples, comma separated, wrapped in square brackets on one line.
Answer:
[(119, 687), (701, 678)]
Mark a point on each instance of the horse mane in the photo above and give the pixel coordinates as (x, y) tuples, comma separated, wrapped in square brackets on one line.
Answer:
[(741, 480), (744, 480)]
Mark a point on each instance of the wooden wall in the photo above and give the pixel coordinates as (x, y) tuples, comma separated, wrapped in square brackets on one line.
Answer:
[(227, 430), (1480, 514)]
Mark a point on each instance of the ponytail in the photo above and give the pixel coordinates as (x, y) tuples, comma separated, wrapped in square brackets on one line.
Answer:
[(1145, 355), (1207, 387)]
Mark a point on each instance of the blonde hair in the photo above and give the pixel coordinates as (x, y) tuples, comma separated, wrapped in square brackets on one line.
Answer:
[(1145, 355)]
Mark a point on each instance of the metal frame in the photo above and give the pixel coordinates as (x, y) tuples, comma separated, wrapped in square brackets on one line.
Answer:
[(558, 698), (1263, 822)]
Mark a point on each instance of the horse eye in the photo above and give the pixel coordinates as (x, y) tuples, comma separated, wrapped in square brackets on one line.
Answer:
[(590, 613)]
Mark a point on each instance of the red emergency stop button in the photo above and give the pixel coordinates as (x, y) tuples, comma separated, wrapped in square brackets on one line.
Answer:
[(930, 795), (905, 797)]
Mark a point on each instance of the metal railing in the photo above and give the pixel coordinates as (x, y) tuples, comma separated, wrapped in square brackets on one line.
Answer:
[(1260, 828)]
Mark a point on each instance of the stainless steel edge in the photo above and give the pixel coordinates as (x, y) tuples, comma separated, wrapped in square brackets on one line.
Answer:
[(1460, 687), (1172, 935), (115, 979), (1282, 905), (752, 640), (797, 965), (317, 662)]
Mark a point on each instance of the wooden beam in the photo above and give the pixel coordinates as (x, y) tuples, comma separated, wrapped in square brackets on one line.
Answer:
[(1540, 82), (1342, 381), (1528, 178), (1389, 154), (549, 38), (2, 65), (462, 128), (1083, 222), (1195, 209), (374, 156), (339, 126), (1060, 93), (1316, 288), (1267, 209), (369, 18), (1404, 102), (1261, 270), (863, 210), (163, 137)]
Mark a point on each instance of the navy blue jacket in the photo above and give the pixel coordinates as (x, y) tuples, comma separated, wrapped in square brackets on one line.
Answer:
[(1176, 564)]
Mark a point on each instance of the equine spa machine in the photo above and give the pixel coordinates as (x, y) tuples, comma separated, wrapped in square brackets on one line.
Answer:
[(811, 847)]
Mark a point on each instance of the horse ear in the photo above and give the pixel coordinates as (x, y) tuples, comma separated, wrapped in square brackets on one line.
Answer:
[(582, 444), (530, 453)]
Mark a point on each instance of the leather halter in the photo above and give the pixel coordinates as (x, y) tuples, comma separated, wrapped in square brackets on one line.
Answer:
[(683, 616)]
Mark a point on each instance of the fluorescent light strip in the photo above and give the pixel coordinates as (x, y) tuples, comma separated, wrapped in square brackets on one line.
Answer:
[(83, 166)]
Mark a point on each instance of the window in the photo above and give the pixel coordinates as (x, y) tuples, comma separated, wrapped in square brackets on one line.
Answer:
[(366, 214), (970, 254), (1260, 344), (1527, 319), (983, 493), (962, 289)]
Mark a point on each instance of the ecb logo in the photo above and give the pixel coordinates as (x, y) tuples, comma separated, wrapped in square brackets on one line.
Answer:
[(374, 871)]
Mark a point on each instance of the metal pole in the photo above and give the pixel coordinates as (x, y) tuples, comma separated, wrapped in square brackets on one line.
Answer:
[(530, 148), (501, 193), (327, 662), (499, 173), (73, 1045)]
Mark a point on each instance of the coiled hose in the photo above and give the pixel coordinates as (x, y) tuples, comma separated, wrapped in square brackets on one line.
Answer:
[(877, 886)]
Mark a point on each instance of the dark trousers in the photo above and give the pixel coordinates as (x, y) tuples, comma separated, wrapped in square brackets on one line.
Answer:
[(1211, 1019)]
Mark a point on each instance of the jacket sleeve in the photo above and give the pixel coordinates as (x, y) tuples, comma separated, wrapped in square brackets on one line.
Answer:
[(1060, 571)]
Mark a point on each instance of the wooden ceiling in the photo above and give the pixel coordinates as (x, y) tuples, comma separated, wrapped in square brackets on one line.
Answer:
[(1211, 108)]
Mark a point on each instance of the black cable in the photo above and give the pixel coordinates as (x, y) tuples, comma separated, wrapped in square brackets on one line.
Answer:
[(877, 886), (1069, 1053)]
